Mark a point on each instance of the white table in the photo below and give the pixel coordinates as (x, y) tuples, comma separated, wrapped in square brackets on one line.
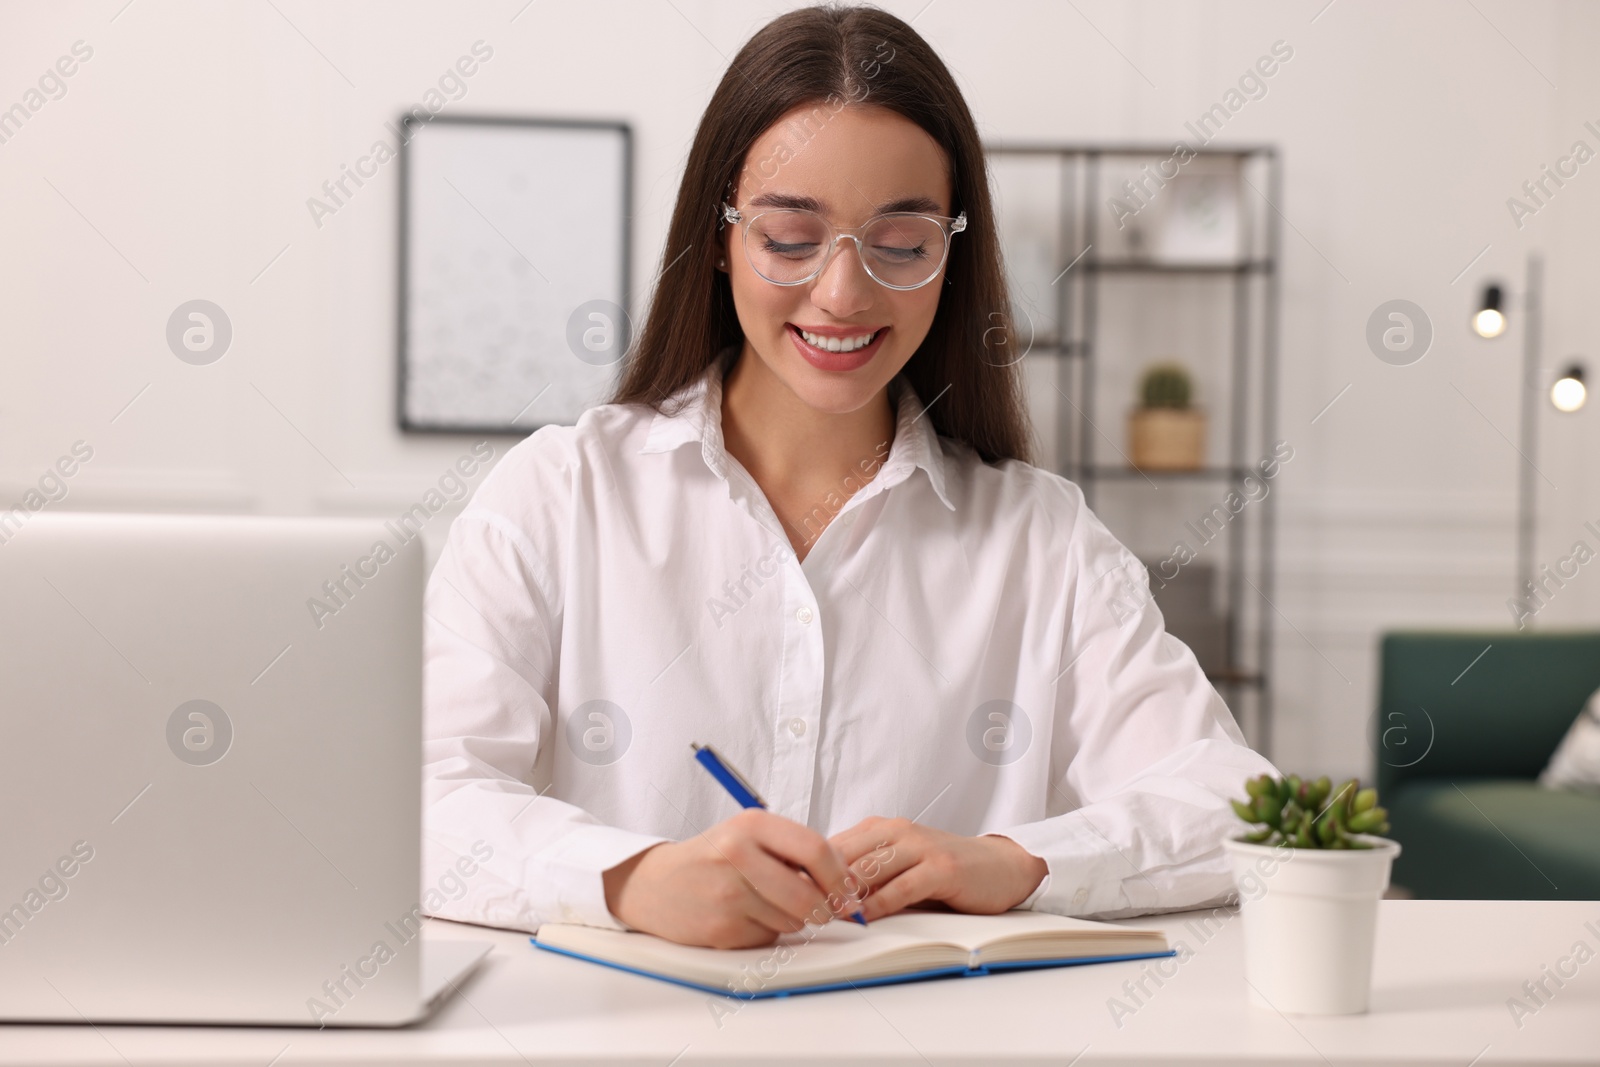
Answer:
[(1444, 973)]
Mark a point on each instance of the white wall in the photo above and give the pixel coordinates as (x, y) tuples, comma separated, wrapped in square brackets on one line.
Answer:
[(178, 165)]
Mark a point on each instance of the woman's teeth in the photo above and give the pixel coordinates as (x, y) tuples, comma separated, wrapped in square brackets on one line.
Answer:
[(838, 344)]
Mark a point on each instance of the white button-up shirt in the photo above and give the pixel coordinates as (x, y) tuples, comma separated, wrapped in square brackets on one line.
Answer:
[(965, 645)]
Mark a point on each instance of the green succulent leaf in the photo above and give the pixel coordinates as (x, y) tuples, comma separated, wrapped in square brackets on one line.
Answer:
[(1366, 821), (1333, 813), (1309, 813)]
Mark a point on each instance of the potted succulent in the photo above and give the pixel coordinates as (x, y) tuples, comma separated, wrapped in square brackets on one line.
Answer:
[(1164, 432), (1310, 874)]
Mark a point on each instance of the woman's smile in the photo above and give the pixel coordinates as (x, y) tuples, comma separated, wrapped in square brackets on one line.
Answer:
[(837, 348)]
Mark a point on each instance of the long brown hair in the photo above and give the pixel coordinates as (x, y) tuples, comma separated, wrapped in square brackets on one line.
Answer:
[(841, 55)]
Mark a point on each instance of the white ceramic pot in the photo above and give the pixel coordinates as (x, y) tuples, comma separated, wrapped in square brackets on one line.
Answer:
[(1310, 919)]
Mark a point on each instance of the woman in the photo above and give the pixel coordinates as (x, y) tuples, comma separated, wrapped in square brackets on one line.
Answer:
[(806, 531)]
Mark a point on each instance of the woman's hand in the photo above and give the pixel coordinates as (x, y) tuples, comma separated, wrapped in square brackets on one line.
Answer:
[(738, 885), (905, 863)]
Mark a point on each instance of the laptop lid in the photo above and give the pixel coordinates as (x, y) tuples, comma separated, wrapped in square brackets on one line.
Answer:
[(210, 742)]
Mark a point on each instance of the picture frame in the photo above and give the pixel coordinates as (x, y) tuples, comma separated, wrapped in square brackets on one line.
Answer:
[(513, 257), (1201, 219)]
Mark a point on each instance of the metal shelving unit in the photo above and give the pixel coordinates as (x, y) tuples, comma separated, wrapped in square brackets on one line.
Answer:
[(1250, 286)]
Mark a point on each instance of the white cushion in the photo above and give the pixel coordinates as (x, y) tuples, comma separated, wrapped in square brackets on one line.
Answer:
[(1576, 763)]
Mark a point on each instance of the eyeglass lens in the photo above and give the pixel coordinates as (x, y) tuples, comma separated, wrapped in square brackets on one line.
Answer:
[(788, 246)]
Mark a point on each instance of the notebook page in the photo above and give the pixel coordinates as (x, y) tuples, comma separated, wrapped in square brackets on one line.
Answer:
[(973, 932), (830, 952), (909, 940)]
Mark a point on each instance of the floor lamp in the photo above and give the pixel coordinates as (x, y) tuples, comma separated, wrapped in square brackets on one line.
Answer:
[(1567, 394)]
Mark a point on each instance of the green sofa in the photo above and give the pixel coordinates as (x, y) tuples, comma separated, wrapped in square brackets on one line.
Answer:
[(1458, 755)]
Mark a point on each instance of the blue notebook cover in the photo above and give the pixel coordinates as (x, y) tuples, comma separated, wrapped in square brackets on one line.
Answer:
[(894, 979)]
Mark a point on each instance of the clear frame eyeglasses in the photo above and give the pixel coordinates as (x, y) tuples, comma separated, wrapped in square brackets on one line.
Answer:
[(900, 250)]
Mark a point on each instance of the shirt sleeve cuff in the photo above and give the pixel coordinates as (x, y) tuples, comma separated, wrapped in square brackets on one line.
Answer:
[(1038, 891), (577, 865)]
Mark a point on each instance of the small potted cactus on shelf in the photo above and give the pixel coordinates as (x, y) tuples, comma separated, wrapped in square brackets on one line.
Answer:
[(1165, 432), (1310, 872)]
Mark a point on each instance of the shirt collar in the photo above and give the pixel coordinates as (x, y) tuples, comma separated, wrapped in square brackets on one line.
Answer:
[(699, 419)]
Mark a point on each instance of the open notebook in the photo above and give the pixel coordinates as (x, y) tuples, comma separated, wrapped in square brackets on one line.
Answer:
[(908, 946)]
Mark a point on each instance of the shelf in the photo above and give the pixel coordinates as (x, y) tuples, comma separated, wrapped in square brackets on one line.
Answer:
[(1136, 266), (1101, 151), (1112, 472), (1098, 304), (1051, 344)]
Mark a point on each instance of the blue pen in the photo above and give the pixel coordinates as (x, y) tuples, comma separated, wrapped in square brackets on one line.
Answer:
[(740, 789)]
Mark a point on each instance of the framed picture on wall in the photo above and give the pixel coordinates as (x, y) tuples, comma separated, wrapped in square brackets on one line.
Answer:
[(1200, 219), (513, 257)]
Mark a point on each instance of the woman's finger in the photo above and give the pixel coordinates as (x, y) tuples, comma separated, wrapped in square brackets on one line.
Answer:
[(803, 848), (855, 843), (874, 868), (767, 915), (877, 869), (844, 908), (917, 883), (794, 897), (863, 838), (750, 932)]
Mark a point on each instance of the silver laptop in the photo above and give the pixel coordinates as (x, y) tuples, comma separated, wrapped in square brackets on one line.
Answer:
[(210, 756)]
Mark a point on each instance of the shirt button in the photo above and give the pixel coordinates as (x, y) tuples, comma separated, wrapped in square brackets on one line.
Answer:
[(804, 615), (797, 727), (1079, 898)]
